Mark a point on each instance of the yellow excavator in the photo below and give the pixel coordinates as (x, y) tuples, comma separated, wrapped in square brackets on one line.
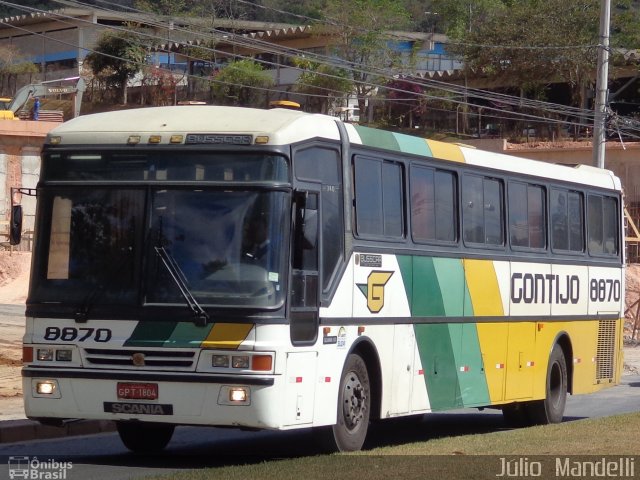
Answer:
[(9, 107)]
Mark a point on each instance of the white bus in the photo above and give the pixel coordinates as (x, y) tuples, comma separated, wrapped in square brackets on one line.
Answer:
[(273, 269)]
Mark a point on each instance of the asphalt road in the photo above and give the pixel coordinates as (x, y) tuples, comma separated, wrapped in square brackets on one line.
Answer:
[(102, 456)]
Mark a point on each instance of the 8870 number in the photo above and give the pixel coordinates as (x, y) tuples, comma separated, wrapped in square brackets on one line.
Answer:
[(71, 334), (604, 290)]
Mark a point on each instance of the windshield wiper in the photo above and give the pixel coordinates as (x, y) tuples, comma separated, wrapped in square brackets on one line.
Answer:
[(200, 316)]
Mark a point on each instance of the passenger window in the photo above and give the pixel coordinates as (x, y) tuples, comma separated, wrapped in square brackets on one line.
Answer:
[(603, 230), (526, 215), (482, 210), (433, 205), (567, 223), (379, 198)]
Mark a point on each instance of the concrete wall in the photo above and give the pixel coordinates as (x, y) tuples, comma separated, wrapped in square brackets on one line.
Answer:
[(20, 145)]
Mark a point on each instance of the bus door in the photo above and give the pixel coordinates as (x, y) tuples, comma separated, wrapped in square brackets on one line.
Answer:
[(303, 312)]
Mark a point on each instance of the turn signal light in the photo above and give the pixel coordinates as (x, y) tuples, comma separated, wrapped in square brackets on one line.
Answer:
[(262, 363), (27, 354)]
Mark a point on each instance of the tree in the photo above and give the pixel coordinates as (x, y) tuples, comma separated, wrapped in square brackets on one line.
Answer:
[(531, 43), (241, 83), (12, 65), (406, 103), (116, 59), (323, 83), (363, 43)]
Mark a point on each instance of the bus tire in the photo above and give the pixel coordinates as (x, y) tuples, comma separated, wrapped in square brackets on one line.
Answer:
[(354, 409), (142, 437), (551, 409)]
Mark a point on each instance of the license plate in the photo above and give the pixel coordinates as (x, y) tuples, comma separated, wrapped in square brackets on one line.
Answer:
[(137, 391)]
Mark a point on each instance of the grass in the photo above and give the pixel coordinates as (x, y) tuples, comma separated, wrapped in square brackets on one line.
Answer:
[(468, 456)]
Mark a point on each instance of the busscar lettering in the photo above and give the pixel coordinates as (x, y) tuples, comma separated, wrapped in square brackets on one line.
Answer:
[(545, 288)]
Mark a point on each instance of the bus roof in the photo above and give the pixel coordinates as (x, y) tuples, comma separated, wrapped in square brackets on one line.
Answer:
[(283, 126)]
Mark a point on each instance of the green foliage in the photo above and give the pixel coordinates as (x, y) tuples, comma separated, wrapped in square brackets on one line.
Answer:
[(322, 82), (360, 28), (11, 66), (117, 58), (240, 82)]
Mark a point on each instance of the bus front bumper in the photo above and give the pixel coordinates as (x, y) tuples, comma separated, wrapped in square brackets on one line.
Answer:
[(181, 399)]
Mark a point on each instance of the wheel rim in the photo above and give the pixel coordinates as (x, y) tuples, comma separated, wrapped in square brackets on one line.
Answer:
[(354, 405), (555, 384)]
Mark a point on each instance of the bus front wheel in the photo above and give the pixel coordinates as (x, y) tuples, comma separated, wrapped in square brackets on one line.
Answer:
[(144, 437), (354, 408), (551, 409)]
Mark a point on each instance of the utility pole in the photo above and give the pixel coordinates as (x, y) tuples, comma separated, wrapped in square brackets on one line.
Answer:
[(600, 117)]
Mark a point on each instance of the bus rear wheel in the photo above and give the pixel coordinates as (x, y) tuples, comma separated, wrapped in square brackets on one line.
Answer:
[(144, 437), (551, 409), (354, 408)]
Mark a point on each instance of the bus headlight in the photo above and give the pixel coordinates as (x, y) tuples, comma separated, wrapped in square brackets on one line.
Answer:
[(45, 354), (45, 388), (64, 355), (238, 394), (234, 395), (240, 361), (220, 361)]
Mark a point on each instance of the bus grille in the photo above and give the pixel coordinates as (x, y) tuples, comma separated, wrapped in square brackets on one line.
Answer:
[(605, 357), (153, 359)]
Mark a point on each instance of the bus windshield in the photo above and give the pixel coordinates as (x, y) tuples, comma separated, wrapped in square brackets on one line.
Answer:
[(226, 245), (101, 246)]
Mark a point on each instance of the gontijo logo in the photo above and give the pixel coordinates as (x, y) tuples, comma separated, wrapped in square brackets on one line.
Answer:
[(373, 290)]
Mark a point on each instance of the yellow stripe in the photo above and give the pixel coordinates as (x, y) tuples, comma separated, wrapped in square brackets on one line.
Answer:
[(446, 151), (483, 288), (493, 345), (227, 335)]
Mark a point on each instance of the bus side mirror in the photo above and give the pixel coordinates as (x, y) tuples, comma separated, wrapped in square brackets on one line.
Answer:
[(15, 225)]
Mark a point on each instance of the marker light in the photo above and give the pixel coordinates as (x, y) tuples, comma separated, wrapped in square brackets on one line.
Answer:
[(176, 139), (27, 354), (155, 139), (45, 354), (55, 140), (238, 394), (46, 387), (262, 139), (220, 361), (133, 139), (240, 361)]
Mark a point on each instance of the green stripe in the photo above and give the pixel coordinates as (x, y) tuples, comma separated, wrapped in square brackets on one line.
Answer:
[(151, 334), (473, 383), (414, 145), (439, 366), (427, 296), (377, 138), (450, 277), (188, 335)]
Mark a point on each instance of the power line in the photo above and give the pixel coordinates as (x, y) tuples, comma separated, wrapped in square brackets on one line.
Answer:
[(491, 96)]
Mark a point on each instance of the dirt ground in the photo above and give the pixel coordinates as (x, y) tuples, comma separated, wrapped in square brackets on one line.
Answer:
[(14, 282)]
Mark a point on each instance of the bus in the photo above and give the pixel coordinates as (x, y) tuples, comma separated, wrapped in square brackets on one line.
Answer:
[(274, 269)]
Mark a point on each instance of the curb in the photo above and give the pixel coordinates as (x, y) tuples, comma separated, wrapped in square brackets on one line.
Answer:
[(12, 431)]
